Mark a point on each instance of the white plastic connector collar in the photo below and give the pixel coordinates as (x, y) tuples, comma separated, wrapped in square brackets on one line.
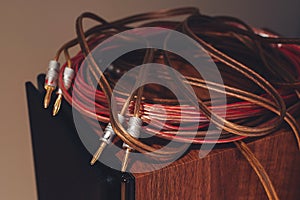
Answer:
[(52, 74), (68, 77), (59, 91), (109, 133), (134, 128)]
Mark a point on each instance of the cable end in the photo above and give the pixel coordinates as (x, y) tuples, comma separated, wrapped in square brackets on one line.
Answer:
[(47, 98), (98, 153), (125, 160), (57, 104)]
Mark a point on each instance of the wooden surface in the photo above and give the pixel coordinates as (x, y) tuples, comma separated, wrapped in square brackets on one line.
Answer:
[(225, 174), (63, 170)]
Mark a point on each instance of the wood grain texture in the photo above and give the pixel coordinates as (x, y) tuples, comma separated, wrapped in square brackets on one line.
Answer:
[(225, 173), (63, 172)]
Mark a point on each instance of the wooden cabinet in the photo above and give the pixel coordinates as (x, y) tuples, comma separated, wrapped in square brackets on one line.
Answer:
[(63, 170)]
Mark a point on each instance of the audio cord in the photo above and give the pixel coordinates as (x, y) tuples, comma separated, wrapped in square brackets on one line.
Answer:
[(244, 55)]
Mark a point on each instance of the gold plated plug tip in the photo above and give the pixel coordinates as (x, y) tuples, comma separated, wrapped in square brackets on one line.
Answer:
[(57, 104), (47, 98), (125, 160), (98, 153)]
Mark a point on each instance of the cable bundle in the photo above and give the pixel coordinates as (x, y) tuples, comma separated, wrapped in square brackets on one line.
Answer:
[(260, 70)]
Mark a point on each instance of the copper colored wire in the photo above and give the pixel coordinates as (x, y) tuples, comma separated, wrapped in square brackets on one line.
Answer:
[(272, 67)]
